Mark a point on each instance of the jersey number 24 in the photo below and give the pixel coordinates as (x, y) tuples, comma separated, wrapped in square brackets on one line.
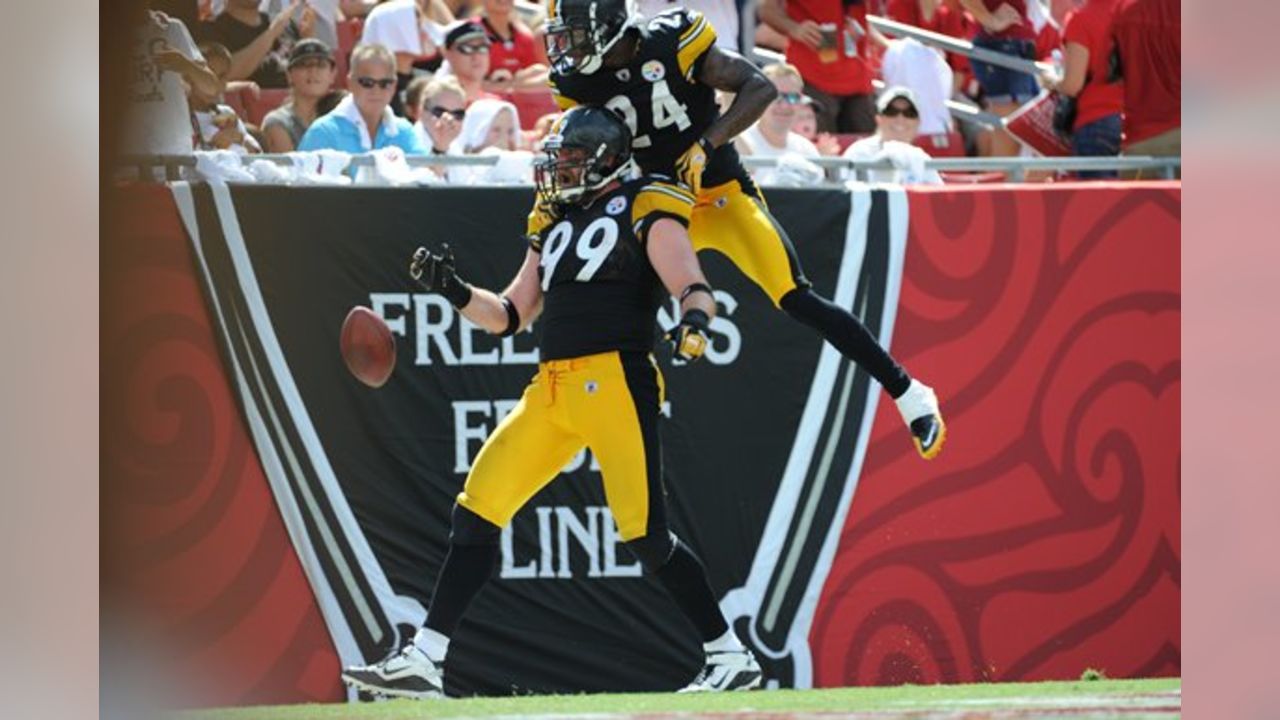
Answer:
[(664, 109)]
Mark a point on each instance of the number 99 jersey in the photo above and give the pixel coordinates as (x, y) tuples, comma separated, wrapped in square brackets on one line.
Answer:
[(600, 292), (658, 95)]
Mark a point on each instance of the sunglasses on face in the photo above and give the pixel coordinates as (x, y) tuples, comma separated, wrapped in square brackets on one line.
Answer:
[(896, 110), (369, 83), (472, 48), (791, 98), (438, 111)]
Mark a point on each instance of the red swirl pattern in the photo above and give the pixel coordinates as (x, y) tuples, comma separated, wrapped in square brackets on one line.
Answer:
[(1046, 537), (193, 542)]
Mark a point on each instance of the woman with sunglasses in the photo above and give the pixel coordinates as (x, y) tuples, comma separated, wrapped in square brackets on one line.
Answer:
[(363, 120), (311, 71), (897, 124)]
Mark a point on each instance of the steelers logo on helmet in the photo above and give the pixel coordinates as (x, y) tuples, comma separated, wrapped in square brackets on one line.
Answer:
[(588, 148), (580, 32)]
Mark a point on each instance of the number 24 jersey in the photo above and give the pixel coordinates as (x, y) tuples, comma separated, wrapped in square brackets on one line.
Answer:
[(658, 94), (600, 292)]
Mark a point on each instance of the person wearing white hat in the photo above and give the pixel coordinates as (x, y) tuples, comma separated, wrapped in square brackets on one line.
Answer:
[(897, 124)]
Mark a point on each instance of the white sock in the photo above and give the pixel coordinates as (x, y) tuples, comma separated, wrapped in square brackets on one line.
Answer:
[(432, 643), (726, 642)]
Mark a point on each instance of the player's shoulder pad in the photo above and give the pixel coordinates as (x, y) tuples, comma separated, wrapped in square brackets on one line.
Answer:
[(561, 94), (657, 198), (696, 37)]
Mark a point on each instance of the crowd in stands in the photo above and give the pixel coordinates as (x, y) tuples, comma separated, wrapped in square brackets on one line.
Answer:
[(437, 77)]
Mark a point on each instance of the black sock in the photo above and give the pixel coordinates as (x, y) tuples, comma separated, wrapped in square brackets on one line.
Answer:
[(849, 336), (466, 569), (684, 577)]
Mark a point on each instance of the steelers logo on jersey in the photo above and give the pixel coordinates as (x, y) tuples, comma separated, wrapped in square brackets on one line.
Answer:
[(653, 71), (616, 205)]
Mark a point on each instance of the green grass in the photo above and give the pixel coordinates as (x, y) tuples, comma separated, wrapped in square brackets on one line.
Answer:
[(917, 698)]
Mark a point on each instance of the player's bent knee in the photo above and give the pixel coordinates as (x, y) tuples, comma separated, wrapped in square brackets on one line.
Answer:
[(653, 550), (471, 529), (802, 303)]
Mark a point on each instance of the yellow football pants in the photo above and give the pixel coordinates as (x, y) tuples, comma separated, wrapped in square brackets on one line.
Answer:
[(609, 403), (734, 221)]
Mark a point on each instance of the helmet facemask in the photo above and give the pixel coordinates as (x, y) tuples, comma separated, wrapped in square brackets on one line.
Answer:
[(572, 174), (578, 43)]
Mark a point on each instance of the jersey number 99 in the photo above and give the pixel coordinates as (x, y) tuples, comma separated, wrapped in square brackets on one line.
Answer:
[(593, 246)]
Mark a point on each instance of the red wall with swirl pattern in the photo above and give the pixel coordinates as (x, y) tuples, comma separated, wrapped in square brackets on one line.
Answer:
[(196, 561), (1046, 537)]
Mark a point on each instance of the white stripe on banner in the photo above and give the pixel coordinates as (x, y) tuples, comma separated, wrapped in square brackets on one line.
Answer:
[(398, 609), (272, 467), (761, 597)]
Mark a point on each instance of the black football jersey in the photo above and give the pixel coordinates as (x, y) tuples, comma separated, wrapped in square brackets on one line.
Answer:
[(600, 292), (658, 94)]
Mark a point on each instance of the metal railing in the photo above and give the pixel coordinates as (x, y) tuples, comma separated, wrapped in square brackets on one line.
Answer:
[(1015, 169)]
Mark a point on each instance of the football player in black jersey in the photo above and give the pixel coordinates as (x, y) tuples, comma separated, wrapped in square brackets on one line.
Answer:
[(596, 276), (660, 74)]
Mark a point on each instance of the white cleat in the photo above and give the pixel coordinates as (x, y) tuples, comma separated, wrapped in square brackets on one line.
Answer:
[(919, 409), (406, 674), (727, 671)]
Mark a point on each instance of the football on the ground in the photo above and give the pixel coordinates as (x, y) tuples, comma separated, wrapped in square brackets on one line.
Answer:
[(368, 347)]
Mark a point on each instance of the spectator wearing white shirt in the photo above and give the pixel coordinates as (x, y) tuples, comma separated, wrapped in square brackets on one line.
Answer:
[(164, 61), (911, 64), (491, 127), (772, 135), (897, 125)]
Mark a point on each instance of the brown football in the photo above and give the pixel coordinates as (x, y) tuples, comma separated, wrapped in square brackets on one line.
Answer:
[(368, 347)]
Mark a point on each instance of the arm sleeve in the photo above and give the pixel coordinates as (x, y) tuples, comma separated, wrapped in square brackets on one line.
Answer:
[(563, 101), (660, 200)]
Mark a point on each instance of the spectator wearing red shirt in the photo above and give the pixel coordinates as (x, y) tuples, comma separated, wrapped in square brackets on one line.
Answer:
[(829, 43), (1148, 35), (516, 60), (466, 57), (1087, 78), (1005, 28)]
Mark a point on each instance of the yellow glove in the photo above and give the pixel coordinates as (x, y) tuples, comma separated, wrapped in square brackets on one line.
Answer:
[(691, 164)]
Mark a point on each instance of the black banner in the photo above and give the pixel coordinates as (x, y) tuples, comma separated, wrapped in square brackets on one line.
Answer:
[(763, 440)]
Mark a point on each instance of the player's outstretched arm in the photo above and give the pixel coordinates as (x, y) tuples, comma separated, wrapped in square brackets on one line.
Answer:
[(497, 314), (729, 71)]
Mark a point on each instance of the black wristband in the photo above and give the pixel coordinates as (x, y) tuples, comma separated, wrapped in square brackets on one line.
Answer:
[(513, 318), (706, 146), (697, 287), (458, 293), (696, 318)]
